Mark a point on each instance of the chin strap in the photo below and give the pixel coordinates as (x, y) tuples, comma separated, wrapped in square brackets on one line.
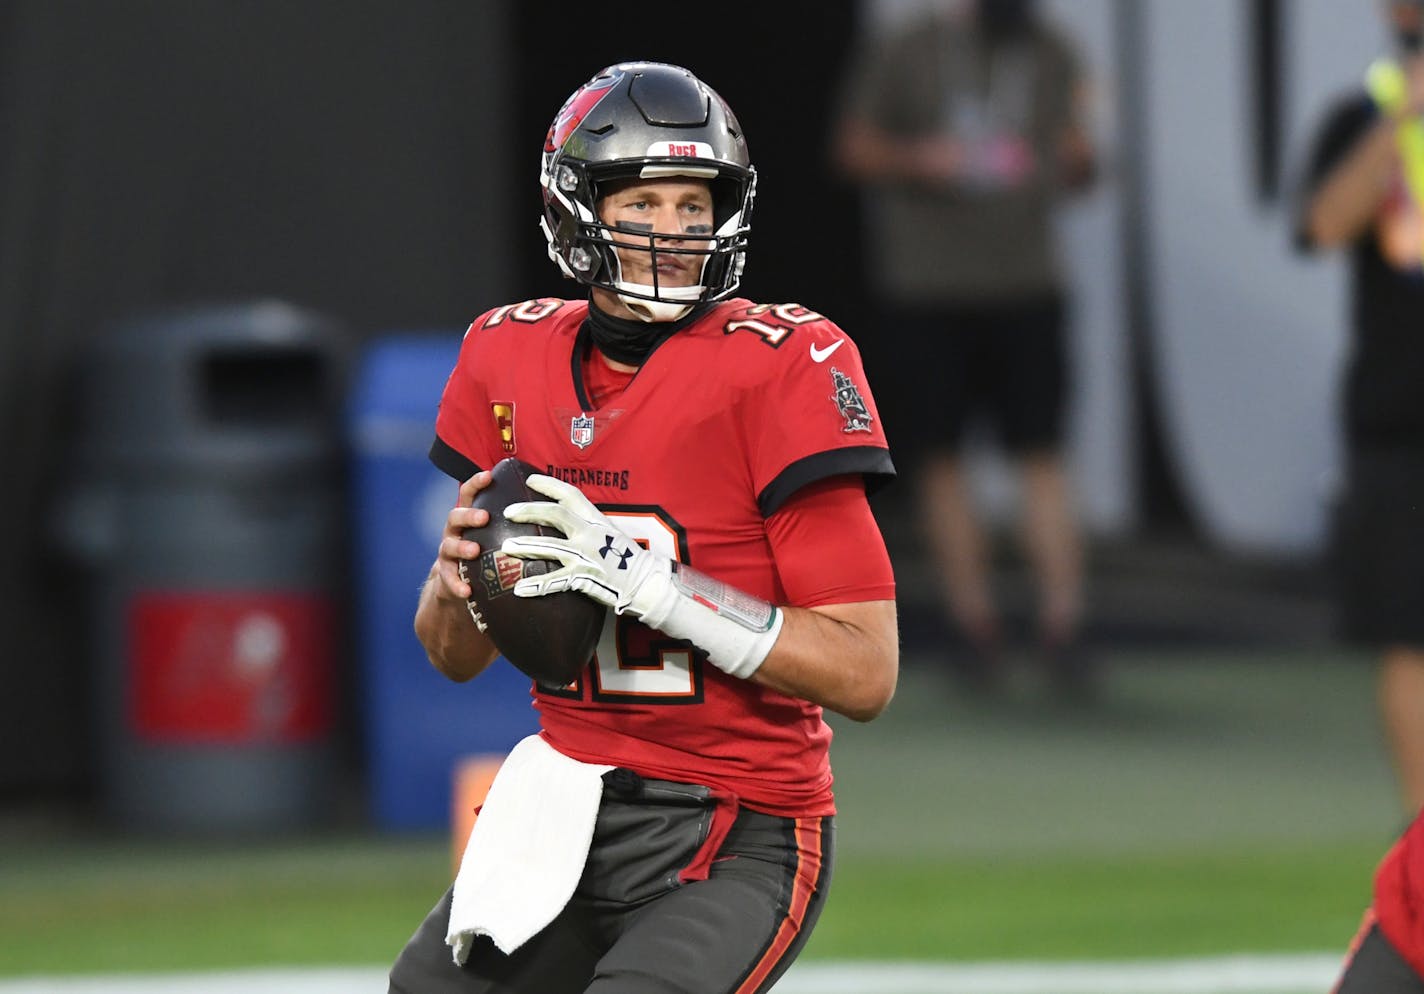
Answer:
[(677, 301), (655, 311)]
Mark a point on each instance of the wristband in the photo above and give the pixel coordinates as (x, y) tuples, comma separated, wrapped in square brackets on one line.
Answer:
[(735, 629)]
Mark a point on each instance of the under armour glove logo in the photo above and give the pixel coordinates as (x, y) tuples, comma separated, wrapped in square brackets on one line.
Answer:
[(623, 555)]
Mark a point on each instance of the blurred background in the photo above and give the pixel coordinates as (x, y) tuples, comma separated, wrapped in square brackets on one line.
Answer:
[(240, 244)]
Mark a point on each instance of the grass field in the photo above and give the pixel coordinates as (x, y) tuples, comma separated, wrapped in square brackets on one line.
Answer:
[(1230, 803), (355, 901)]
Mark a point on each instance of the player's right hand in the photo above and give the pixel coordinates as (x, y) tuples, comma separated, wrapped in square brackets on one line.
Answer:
[(453, 545)]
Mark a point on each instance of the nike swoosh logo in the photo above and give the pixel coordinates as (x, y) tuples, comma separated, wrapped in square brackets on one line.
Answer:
[(821, 355)]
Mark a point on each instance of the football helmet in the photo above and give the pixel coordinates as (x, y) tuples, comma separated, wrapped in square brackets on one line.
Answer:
[(646, 120)]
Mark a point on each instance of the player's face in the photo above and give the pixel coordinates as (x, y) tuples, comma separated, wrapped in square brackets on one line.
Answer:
[(673, 207)]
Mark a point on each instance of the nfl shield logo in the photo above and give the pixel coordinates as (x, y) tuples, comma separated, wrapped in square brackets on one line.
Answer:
[(581, 431)]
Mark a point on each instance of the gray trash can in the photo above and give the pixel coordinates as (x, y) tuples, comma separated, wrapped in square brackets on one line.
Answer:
[(213, 460)]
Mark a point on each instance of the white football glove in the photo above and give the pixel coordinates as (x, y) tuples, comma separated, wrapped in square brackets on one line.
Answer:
[(596, 559)]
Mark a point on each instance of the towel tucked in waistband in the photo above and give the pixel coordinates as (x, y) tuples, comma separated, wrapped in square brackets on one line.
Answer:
[(527, 849)]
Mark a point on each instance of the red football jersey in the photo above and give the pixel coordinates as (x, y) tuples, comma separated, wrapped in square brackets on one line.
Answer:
[(724, 421)]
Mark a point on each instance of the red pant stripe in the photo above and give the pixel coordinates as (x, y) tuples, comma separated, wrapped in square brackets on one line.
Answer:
[(807, 878)]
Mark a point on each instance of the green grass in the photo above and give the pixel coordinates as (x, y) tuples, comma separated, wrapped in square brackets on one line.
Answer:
[(95, 907), (82, 908), (1183, 905), (1232, 803)]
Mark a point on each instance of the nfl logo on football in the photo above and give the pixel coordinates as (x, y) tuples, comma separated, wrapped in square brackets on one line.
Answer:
[(581, 430)]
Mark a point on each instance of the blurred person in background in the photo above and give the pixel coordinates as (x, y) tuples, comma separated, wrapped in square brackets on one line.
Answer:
[(1364, 192), (966, 124)]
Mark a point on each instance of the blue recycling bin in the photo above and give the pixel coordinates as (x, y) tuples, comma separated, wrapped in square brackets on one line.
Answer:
[(417, 723)]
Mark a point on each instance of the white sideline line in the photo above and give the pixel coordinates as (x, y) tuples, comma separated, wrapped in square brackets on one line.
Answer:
[(1312, 974), (1283, 974)]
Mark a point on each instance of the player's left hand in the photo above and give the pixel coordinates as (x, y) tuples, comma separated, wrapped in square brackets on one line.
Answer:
[(596, 558)]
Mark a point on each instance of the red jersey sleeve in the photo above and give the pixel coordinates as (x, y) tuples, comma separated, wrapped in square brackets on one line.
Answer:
[(851, 566), (813, 416), (467, 426)]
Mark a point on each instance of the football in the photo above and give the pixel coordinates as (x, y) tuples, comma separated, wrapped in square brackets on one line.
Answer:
[(549, 638)]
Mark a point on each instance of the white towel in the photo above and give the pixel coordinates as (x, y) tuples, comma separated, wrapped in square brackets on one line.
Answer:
[(527, 850)]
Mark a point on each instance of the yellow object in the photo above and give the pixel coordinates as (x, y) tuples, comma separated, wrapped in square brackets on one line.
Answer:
[(1386, 84), (471, 782), (1388, 87)]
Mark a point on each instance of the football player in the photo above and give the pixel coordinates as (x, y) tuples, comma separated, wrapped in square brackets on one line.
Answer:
[(706, 461)]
